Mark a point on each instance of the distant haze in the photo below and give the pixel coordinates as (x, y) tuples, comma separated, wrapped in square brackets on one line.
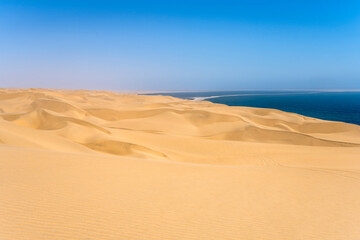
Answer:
[(180, 45)]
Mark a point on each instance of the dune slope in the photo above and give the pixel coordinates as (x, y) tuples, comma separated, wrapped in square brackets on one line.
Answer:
[(101, 165)]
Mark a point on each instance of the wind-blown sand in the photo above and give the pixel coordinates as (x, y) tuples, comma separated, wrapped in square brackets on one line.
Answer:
[(100, 165)]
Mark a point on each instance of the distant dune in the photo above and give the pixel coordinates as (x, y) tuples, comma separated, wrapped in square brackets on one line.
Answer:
[(100, 165)]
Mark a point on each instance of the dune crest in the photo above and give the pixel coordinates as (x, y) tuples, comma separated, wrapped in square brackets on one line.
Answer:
[(79, 164)]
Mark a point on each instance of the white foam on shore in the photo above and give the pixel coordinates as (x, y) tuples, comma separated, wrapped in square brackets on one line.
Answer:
[(245, 94), (234, 95)]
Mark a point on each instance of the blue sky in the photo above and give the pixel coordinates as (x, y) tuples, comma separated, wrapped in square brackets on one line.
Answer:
[(180, 45)]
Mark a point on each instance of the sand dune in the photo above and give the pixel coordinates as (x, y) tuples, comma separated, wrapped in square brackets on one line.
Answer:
[(79, 164)]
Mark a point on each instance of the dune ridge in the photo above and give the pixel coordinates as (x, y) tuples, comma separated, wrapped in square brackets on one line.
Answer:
[(79, 164)]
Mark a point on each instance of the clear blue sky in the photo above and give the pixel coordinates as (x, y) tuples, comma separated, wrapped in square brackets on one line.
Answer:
[(180, 45)]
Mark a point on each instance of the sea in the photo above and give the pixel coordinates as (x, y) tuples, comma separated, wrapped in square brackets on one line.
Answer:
[(343, 106)]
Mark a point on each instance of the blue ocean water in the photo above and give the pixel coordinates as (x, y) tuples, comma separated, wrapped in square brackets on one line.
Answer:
[(335, 106)]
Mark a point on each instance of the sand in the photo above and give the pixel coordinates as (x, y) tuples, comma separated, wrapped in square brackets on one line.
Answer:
[(100, 165)]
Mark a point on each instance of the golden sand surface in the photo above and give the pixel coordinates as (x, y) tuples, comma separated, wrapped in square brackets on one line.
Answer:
[(83, 165)]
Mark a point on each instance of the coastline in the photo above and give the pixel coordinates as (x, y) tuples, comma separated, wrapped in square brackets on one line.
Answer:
[(327, 105)]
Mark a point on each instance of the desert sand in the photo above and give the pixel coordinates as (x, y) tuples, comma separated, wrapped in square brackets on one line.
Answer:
[(87, 165)]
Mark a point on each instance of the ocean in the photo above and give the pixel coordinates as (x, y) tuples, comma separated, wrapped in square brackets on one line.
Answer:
[(341, 106)]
